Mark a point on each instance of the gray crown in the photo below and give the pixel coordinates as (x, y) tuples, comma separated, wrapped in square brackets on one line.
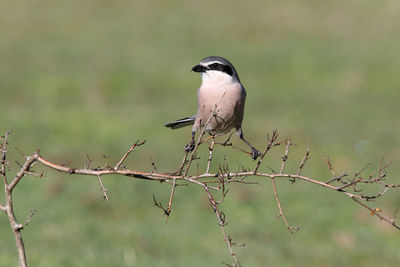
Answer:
[(221, 60)]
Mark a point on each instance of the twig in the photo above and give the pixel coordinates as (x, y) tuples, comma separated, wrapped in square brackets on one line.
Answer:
[(380, 193), (304, 160), (344, 174), (222, 178), (374, 212), (222, 223), (328, 161), (89, 161), (33, 211), (268, 147), (210, 156), (129, 173), (128, 152), (184, 162), (357, 174), (285, 157), (9, 209), (159, 205), (105, 196), (3, 148), (170, 199), (24, 169), (292, 229), (153, 164)]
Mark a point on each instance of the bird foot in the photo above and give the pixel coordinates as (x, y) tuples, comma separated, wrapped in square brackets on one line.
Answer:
[(189, 147), (255, 153)]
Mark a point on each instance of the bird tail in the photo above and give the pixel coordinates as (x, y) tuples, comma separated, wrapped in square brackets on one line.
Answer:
[(181, 123)]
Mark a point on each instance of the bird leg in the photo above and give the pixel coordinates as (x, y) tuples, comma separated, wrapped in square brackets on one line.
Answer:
[(254, 152), (189, 147)]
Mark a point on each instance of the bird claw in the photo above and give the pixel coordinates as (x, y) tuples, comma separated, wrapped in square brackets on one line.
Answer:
[(255, 153), (189, 147)]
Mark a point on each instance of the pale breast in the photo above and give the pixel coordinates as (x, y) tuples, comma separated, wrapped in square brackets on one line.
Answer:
[(225, 101)]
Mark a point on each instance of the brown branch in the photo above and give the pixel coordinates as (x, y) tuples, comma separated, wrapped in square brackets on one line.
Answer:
[(33, 211), (192, 156), (270, 144), (24, 169), (129, 173), (105, 196), (9, 209), (304, 160), (285, 157), (169, 210), (3, 148), (153, 164), (183, 164), (344, 174), (210, 156), (222, 178), (89, 161), (222, 223), (376, 213), (292, 229), (328, 161), (128, 152), (159, 205)]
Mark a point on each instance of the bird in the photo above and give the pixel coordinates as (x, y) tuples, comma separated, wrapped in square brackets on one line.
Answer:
[(220, 102)]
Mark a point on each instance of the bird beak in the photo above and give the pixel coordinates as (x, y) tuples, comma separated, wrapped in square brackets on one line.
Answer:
[(199, 68)]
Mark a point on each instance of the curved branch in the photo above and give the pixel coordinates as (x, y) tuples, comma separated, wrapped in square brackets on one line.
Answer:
[(219, 179), (195, 179)]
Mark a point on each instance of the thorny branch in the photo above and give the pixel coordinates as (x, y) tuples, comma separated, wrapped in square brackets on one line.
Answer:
[(128, 152), (105, 196), (211, 182), (8, 207), (222, 223), (210, 156), (292, 229), (170, 199)]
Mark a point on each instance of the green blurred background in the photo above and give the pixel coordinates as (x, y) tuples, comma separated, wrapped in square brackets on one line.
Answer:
[(81, 77)]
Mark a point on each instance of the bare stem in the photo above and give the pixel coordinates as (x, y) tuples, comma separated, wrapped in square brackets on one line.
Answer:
[(128, 152), (220, 180), (222, 223), (105, 196), (184, 162), (271, 144), (210, 156), (169, 210), (304, 160), (8, 208), (285, 157), (376, 213), (292, 229), (3, 148), (3, 208)]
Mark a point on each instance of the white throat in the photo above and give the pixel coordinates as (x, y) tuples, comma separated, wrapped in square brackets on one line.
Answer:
[(213, 77)]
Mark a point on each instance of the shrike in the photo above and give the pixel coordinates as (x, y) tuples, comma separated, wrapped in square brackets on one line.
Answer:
[(220, 102)]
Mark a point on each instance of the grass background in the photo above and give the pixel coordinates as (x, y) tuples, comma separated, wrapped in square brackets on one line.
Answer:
[(81, 77)]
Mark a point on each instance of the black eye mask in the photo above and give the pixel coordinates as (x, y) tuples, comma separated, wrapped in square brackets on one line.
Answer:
[(220, 67)]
